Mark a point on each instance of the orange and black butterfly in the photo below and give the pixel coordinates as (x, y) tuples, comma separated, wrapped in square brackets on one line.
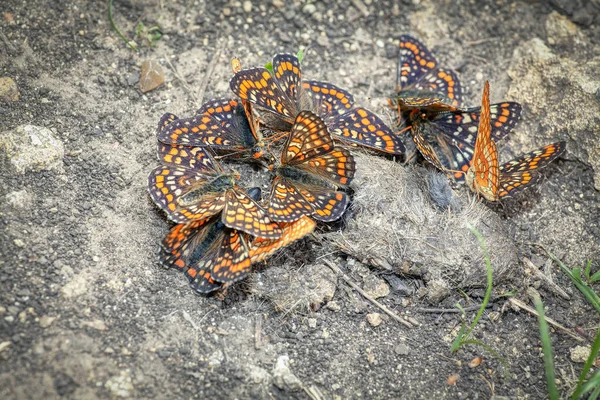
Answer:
[(428, 100), (191, 185), (310, 170), (486, 177), (213, 256), (262, 248), (224, 125), (284, 93), (447, 139), (420, 82)]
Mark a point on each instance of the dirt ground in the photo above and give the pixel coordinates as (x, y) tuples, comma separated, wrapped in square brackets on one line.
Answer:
[(87, 312)]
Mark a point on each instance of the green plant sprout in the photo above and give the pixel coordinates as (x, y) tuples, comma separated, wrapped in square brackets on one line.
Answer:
[(463, 334), (150, 35)]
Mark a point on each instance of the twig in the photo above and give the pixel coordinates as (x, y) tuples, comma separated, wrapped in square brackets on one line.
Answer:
[(480, 41), (209, 71), (361, 7), (451, 310), (354, 286), (552, 322), (7, 43), (553, 287), (257, 332)]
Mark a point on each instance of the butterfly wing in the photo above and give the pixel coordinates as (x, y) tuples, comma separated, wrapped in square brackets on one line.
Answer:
[(484, 172), (521, 172), (286, 203), (361, 127), (241, 212), (261, 248), (308, 138), (326, 100), (420, 78), (171, 188), (258, 86)]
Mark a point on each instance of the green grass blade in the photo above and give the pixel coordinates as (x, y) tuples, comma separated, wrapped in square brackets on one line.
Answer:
[(595, 278), (458, 341), (593, 384), (589, 294), (129, 43), (547, 349), (489, 270), (586, 368)]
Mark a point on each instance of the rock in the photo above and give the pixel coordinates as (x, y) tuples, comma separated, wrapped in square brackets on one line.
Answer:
[(553, 89), (560, 29), (323, 41), (257, 374), (152, 76), (283, 377), (19, 199), (278, 3), (374, 319), (32, 148), (437, 290), (215, 359), (333, 306), (76, 287), (310, 9), (401, 349), (121, 385), (4, 346), (247, 6), (375, 287), (312, 323), (8, 89), (96, 324), (46, 321), (19, 243), (580, 354)]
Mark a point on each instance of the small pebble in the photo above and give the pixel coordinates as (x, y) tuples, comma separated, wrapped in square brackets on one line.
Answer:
[(374, 319)]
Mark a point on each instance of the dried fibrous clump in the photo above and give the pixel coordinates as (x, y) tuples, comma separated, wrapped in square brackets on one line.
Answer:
[(404, 219)]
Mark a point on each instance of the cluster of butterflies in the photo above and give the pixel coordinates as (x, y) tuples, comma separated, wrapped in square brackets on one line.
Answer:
[(301, 132), (461, 141)]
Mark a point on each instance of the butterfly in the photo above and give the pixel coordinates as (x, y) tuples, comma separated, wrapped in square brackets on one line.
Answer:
[(191, 185), (492, 181), (284, 93), (223, 124), (310, 169), (213, 256), (420, 83), (447, 139)]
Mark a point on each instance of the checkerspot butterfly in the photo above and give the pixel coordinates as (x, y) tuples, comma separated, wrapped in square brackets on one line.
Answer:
[(492, 181), (310, 169), (213, 256), (420, 83), (285, 94), (191, 185), (447, 139), (224, 125)]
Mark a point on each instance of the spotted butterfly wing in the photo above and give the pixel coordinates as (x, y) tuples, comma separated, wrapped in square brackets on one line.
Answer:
[(258, 86), (521, 172), (221, 124), (361, 127), (484, 173), (421, 83), (260, 249)]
